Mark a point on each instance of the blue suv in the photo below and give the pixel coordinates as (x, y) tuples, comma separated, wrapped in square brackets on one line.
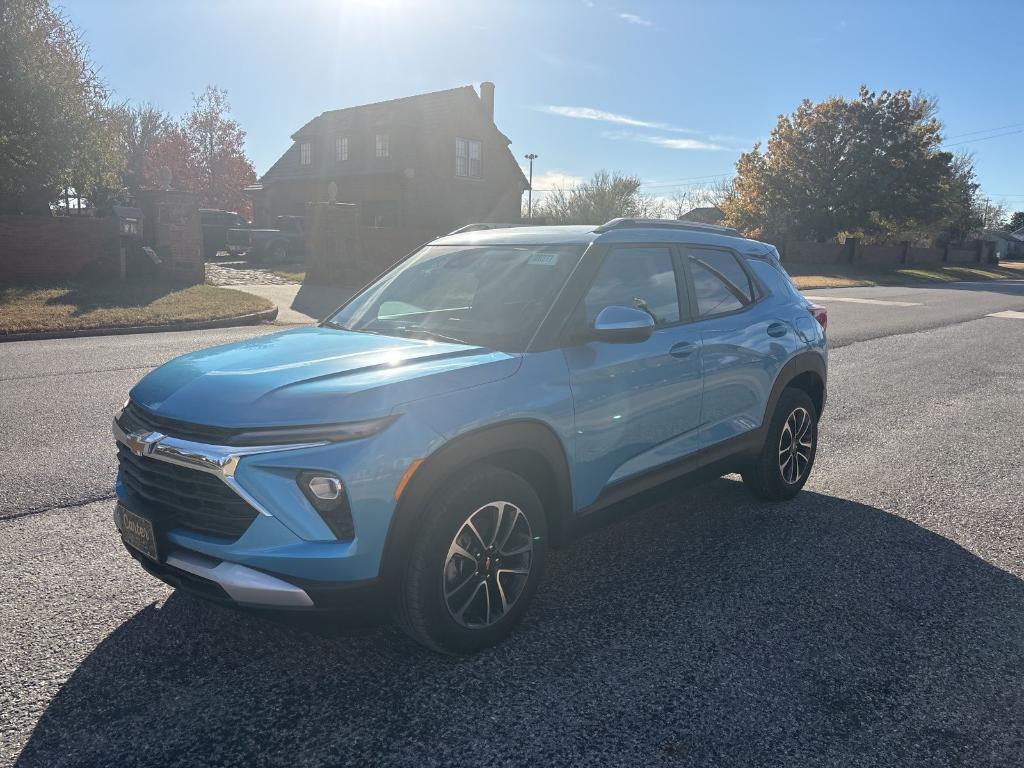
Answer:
[(422, 447)]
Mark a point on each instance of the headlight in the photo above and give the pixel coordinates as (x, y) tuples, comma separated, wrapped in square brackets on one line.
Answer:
[(316, 433)]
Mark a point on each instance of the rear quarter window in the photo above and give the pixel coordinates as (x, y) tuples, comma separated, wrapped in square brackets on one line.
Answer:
[(775, 279)]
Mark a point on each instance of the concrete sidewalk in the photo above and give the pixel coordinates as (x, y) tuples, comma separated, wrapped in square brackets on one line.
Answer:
[(301, 304)]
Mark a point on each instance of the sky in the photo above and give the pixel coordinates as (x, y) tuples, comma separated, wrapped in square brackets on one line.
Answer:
[(671, 92)]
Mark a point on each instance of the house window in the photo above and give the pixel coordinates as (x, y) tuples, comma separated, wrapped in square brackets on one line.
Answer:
[(305, 153), (383, 145), (341, 149), (467, 158)]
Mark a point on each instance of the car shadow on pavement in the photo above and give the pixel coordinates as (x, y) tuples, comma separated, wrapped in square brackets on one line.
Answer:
[(711, 629), (319, 301)]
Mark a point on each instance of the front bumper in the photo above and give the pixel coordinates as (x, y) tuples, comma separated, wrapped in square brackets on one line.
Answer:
[(237, 585), (287, 557)]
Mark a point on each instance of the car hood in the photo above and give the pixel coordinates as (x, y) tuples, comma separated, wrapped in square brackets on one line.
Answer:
[(313, 376)]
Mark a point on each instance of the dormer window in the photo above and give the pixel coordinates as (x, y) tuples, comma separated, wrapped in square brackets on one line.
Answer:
[(467, 158), (383, 145), (305, 153), (341, 149)]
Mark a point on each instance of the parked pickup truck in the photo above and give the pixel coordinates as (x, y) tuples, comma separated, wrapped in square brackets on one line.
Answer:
[(216, 224), (286, 242)]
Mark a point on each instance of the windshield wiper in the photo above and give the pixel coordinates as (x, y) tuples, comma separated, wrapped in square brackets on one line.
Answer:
[(431, 334)]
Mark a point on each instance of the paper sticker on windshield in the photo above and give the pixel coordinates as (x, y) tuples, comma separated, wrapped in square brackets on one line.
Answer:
[(547, 259)]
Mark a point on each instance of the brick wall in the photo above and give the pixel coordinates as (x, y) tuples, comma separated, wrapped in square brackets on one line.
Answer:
[(46, 248), (818, 253), (920, 256), (883, 256), (171, 225)]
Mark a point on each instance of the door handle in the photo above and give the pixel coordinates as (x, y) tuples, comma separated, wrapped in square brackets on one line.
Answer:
[(682, 349), (777, 329)]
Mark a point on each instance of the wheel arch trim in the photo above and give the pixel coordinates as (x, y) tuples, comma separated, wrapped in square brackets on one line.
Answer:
[(805, 362), (474, 447)]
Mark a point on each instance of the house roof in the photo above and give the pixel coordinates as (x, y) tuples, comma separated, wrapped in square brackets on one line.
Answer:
[(707, 213), (426, 109), (1003, 234), (425, 103)]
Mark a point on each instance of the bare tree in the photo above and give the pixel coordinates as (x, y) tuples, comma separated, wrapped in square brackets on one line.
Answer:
[(992, 215), (604, 196), (707, 195)]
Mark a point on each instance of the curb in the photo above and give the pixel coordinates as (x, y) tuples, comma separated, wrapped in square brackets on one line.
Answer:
[(253, 318)]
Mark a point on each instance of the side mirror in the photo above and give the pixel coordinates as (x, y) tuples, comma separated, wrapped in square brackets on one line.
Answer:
[(623, 325)]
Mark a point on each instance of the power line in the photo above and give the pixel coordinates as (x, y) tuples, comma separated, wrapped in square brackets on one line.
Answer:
[(667, 182), (686, 178), (984, 138), (987, 130)]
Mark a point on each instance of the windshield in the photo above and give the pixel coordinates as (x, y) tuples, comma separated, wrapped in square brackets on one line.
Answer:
[(492, 296)]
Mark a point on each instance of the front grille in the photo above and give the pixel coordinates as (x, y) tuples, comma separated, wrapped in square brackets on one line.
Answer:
[(179, 497), (134, 418)]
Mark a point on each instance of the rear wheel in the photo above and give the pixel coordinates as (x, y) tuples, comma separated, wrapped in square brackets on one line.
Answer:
[(476, 564), (786, 459), (278, 252)]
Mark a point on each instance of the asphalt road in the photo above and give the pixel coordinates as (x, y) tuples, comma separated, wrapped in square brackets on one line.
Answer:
[(877, 619)]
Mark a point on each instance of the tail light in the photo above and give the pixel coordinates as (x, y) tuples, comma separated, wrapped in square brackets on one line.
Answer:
[(819, 313)]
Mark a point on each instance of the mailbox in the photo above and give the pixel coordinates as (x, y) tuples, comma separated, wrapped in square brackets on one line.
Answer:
[(129, 222), (129, 230)]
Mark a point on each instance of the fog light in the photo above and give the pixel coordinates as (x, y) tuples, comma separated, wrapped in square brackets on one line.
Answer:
[(324, 487), (327, 495)]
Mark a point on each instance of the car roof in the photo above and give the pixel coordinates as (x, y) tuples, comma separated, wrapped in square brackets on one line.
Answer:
[(624, 231), (563, 235)]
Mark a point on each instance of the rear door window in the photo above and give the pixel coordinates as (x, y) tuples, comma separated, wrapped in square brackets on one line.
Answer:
[(720, 284)]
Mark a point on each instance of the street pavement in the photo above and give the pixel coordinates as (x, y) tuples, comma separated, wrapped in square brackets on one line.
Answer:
[(877, 619)]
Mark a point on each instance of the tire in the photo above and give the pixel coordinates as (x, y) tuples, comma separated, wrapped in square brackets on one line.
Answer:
[(781, 469), (278, 253), (433, 607)]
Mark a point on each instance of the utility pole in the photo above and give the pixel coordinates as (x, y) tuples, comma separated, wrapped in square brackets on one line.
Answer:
[(529, 194)]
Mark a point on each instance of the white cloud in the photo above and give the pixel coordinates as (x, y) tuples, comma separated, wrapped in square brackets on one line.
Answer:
[(668, 142), (632, 18), (552, 179), (589, 113)]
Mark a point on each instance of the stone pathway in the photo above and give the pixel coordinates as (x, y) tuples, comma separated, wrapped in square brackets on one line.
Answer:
[(239, 273), (296, 304)]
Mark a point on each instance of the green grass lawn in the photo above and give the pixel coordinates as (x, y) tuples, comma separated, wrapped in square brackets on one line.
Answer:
[(80, 306), (818, 276), (295, 277)]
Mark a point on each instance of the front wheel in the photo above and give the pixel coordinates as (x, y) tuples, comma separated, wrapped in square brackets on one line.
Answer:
[(786, 459), (476, 564)]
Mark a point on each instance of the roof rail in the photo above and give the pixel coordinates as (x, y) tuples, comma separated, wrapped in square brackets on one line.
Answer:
[(692, 226), (482, 225)]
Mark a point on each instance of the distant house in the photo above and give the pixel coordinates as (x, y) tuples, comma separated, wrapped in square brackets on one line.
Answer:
[(710, 215), (432, 163), (1006, 245)]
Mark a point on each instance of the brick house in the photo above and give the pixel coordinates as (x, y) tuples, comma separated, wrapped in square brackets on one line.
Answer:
[(429, 163)]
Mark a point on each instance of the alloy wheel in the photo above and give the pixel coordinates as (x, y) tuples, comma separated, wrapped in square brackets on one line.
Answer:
[(488, 564), (795, 445)]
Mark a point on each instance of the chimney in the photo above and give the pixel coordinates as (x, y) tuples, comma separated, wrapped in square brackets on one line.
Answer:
[(487, 97)]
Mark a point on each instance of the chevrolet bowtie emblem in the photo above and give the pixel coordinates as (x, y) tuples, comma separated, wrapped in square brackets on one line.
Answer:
[(141, 443)]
